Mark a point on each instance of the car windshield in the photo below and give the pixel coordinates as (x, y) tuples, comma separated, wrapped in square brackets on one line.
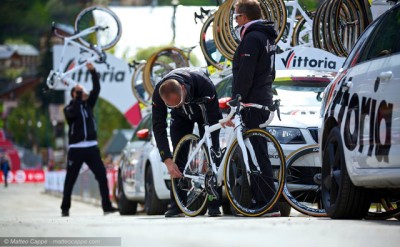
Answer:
[(299, 96)]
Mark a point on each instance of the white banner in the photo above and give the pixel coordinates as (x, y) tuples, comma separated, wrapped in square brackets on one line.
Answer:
[(115, 80), (306, 58)]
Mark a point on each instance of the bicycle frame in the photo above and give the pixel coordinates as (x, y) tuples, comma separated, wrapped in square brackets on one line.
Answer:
[(235, 135), (94, 53)]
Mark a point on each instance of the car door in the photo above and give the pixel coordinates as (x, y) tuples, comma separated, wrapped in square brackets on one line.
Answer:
[(134, 155), (370, 126)]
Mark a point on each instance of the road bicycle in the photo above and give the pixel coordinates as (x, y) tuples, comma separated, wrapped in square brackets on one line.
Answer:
[(250, 189), (96, 29)]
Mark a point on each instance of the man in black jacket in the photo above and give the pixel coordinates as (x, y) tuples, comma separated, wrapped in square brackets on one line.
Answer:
[(253, 73), (83, 143), (176, 91)]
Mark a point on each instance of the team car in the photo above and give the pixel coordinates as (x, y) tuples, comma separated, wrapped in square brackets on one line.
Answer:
[(360, 130), (142, 176)]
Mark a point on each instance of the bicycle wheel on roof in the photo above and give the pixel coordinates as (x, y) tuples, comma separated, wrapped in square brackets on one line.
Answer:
[(110, 31)]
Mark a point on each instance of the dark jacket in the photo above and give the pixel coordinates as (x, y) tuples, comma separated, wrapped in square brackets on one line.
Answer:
[(198, 85), (79, 115), (254, 64)]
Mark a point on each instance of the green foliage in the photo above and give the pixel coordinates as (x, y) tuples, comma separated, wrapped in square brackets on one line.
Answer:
[(108, 118), (190, 2), (13, 73), (28, 126), (145, 53)]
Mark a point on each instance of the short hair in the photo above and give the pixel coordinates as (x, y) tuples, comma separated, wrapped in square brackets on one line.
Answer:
[(251, 8), (72, 92), (168, 87)]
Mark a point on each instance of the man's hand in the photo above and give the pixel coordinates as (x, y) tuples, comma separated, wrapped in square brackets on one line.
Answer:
[(89, 66), (228, 123), (173, 168)]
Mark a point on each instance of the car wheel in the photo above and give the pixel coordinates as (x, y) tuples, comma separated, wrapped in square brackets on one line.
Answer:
[(284, 208), (152, 205), (126, 207), (340, 198)]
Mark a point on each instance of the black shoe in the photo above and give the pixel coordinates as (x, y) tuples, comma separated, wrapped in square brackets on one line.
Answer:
[(110, 211), (214, 212), (64, 213), (174, 212)]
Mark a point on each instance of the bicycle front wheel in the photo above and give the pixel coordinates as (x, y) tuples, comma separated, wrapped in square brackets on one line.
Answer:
[(254, 192), (303, 181), (189, 191), (110, 31)]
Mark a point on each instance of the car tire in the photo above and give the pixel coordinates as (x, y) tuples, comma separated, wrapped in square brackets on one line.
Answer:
[(341, 199), (152, 204), (284, 208), (126, 207)]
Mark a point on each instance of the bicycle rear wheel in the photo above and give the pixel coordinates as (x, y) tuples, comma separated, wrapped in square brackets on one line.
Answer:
[(255, 192), (189, 192), (303, 181), (103, 17)]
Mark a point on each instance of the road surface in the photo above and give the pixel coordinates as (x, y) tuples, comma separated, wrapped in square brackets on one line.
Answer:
[(26, 211)]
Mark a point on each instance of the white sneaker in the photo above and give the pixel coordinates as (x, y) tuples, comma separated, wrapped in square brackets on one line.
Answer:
[(272, 213)]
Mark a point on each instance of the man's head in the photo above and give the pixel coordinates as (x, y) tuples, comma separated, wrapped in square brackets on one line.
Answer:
[(246, 11), (75, 91), (172, 93)]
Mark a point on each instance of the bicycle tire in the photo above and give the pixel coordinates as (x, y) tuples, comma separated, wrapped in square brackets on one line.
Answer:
[(138, 88), (168, 58), (191, 189), (298, 38), (301, 190), (392, 210), (245, 198), (207, 44), (102, 16)]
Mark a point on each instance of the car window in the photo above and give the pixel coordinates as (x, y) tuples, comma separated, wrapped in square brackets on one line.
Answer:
[(295, 97), (146, 123), (224, 87), (356, 50), (385, 39)]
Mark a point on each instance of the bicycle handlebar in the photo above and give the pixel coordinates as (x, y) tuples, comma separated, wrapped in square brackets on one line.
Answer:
[(235, 109)]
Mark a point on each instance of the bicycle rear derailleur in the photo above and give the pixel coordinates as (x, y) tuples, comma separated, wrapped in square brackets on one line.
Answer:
[(211, 185)]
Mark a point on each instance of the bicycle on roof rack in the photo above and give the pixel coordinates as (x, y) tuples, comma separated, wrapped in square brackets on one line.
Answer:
[(97, 29)]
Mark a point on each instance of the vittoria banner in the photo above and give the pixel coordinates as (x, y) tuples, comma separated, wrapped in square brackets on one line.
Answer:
[(309, 59), (115, 80)]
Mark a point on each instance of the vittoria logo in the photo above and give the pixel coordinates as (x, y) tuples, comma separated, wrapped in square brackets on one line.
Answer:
[(110, 76), (293, 61)]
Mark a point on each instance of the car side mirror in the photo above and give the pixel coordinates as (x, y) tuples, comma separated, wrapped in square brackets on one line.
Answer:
[(143, 134), (223, 103)]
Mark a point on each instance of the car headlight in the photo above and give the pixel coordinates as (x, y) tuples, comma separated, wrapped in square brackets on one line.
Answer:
[(287, 135)]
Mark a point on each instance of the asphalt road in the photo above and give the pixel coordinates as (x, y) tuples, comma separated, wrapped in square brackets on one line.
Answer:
[(26, 211)]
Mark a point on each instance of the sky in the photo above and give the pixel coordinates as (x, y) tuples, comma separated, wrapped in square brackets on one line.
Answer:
[(147, 26)]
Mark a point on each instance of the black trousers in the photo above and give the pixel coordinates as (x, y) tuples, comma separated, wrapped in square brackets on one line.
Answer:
[(91, 156), (180, 127), (263, 189)]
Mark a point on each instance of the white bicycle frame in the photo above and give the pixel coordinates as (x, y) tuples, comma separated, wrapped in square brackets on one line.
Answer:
[(94, 53), (295, 7), (236, 134)]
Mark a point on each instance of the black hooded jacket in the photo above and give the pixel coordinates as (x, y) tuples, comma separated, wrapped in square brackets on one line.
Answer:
[(197, 85), (79, 115), (254, 64)]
